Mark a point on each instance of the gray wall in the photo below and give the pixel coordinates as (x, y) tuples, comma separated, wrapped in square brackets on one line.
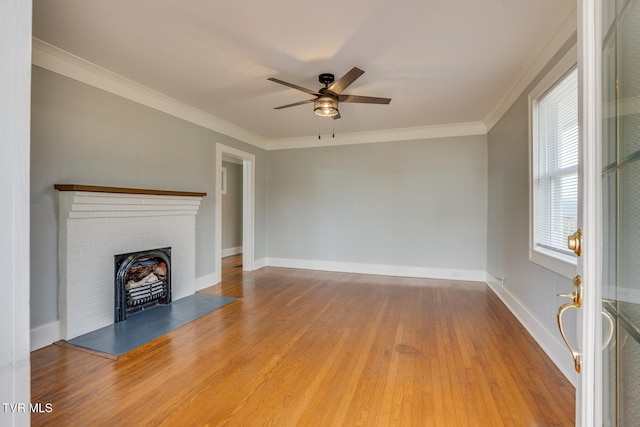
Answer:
[(83, 135), (411, 203), (232, 207), (533, 286)]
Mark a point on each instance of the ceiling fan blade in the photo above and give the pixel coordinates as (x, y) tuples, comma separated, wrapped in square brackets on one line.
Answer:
[(338, 86), (294, 104), (337, 116), (309, 91), (363, 99)]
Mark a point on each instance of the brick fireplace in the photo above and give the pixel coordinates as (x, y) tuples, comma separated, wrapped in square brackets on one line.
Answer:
[(96, 224)]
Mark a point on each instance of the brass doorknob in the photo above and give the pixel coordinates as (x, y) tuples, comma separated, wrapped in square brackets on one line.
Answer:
[(574, 242), (576, 355), (576, 303)]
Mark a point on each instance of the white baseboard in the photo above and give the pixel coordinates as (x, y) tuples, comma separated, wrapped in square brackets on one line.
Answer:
[(259, 263), (231, 251), (379, 269), (554, 348), (42, 336), (207, 281)]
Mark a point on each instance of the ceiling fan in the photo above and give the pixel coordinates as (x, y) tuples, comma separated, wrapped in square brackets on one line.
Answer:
[(325, 103)]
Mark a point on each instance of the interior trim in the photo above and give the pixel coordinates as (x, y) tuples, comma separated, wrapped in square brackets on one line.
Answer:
[(66, 64), (122, 190), (566, 32), (405, 134), (549, 343), (379, 269), (248, 207)]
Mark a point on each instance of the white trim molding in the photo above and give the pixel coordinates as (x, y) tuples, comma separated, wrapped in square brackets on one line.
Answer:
[(554, 348), (260, 263), (231, 251), (379, 269), (66, 64), (590, 393), (248, 205), (562, 264), (15, 107), (405, 134), (207, 281), (54, 59), (44, 335), (536, 64)]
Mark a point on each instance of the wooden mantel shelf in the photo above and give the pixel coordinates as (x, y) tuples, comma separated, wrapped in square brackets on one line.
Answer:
[(98, 189)]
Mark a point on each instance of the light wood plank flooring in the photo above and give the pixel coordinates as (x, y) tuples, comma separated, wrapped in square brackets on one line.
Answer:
[(305, 348)]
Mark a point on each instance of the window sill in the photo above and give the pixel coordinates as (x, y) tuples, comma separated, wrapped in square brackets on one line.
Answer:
[(563, 265)]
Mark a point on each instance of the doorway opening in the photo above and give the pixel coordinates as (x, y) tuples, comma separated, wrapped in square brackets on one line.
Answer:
[(231, 187), (247, 163)]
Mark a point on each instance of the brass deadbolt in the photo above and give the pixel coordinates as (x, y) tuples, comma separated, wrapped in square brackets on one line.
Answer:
[(574, 242)]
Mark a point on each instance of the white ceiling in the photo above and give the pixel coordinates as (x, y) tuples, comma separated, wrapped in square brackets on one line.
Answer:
[(441, 62)]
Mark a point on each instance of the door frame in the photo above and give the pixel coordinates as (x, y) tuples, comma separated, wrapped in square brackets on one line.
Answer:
[(248, 207), (589, 388)]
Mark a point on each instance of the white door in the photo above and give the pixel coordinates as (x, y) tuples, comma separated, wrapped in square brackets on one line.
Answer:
[(608, 392)]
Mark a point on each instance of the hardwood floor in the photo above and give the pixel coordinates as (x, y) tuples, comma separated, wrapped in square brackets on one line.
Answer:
[(306, 348)]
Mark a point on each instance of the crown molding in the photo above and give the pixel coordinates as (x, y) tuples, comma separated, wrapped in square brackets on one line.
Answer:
[(537, 62), (64, 63), (404, 134)]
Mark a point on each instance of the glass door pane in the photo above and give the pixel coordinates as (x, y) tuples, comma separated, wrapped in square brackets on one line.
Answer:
[(629, 380), (629, 79), (621, 211)]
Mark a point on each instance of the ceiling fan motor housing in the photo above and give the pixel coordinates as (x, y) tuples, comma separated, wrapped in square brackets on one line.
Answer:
[(326, 78)]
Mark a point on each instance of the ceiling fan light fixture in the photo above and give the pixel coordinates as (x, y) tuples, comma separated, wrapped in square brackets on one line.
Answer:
[(325, 106), (325, 103)]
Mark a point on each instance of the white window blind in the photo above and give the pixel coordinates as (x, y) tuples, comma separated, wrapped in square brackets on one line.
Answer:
[(555, 165)]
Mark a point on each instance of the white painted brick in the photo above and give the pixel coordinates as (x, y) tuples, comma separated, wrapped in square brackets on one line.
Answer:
[(96, 226)]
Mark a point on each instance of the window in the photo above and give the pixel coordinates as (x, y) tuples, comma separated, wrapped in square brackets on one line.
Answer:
[(553, 106)]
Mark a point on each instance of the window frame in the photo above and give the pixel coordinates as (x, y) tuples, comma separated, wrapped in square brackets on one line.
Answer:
[(562, 264)]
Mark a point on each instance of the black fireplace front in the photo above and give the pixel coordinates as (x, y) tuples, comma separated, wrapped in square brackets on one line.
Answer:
[(142, 280)]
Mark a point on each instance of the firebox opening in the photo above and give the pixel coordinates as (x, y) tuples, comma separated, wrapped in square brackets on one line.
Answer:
[(142, 280)]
